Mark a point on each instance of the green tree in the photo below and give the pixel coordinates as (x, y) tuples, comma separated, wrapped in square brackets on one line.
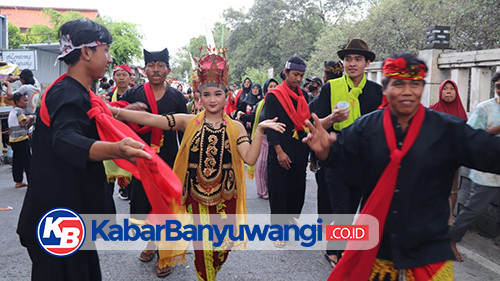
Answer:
[(394, 25), (127, 38), (271, 32), (256, 75), (181, 63), (39, 34), (127, 45), (326, 48), (15, 38), (56, 19), (221, 34)]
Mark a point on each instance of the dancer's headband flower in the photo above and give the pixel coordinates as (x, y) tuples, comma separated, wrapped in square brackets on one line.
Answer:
[(399, 69)]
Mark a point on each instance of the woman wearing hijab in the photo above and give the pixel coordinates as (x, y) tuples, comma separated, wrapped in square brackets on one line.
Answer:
[(246, 111), (449, 100), (259, 170), (233, 103), (450, 103)]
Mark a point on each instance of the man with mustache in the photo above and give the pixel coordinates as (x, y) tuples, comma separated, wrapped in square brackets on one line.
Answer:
[(160, 98), (363, 96)]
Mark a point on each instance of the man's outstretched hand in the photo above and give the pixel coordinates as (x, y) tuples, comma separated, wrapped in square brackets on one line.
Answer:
[(318, 139)]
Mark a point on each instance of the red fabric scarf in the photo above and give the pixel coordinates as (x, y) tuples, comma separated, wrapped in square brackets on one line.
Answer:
[(454, 108), (285, 95), (162, 186), (231, 102), (156, 134), (384, 102), (356, 265)]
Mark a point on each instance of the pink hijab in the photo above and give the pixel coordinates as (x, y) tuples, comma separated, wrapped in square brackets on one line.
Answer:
[(454, 108)]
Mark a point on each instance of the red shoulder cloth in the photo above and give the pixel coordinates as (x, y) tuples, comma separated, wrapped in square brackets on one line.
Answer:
[(285, 95), (161, 185)]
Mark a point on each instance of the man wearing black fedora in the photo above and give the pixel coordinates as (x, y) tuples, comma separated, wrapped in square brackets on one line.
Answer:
[(362, 96)]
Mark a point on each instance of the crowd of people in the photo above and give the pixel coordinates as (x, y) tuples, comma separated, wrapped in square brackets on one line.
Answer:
[(374, 149)]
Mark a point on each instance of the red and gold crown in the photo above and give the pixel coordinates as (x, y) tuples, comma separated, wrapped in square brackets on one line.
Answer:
[(211, 70)]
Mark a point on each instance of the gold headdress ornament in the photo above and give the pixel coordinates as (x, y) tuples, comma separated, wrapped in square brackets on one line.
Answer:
[(211, 70)]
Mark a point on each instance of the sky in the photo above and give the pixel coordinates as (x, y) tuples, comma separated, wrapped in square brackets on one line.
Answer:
[(167, 23)]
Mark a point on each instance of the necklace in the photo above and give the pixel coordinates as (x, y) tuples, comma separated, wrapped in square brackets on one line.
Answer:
[(212, 123)]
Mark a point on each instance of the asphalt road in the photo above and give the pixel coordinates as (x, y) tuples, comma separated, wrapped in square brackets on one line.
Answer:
[(482, 255)]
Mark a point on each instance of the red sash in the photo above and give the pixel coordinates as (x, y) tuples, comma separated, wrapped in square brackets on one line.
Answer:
[(357, 264), (156, 134), (284, 95), (230, 107), (235, 102), (231, 103), (384, 102), (162, 186)]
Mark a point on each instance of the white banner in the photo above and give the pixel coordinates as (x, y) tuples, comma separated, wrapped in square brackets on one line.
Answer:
[(25, 59)]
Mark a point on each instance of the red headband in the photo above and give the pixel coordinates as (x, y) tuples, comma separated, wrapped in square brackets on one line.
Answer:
[(122, 67), (398, 69)]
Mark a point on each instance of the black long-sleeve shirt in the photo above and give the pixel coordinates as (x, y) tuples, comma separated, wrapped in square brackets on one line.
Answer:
[(416, 229), (61, 173)]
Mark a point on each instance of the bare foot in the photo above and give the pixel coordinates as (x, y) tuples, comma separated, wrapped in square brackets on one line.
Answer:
[(458, 257), (20, 184)]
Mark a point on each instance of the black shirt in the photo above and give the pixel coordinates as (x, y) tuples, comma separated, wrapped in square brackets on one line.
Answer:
[(61, 173), (273, 109), (416, 229), (172, 101)]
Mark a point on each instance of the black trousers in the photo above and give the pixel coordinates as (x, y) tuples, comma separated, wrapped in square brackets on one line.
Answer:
[(80, 266), (287, 188), (323, 202), (110, 207), (344, 199), (139, 202), (21, 160)]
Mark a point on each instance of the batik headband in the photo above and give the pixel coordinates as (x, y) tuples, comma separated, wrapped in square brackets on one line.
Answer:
[(337, 69), (294, 66), (68, 47), (398, 69)]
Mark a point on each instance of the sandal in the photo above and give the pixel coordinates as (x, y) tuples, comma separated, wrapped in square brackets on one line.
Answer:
[(279, 244), (147, 257), (333, 263), (162, 272)]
